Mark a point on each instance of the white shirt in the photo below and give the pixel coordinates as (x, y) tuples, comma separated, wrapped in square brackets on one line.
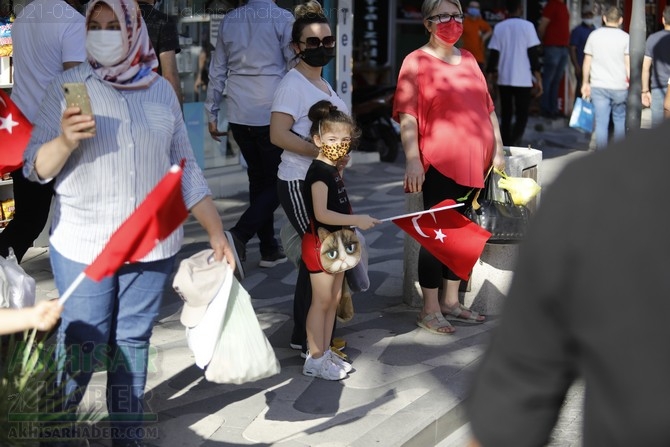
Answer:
[(294, 96), (251, 57), (139, 135), (45, 34), (512, 38), (607, 47)]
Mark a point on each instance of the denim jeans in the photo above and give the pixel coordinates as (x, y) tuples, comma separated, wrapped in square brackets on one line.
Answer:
[(262, 159), (554, 61), (606, 101), (657, 98), (106, 325)]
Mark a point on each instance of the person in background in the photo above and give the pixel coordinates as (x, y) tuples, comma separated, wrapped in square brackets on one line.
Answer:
[(442, 102), (554, 32), (605, 76), (165, 40), (45, 45), (314, 45), (328, 208), (476, 31), (656, 69), (514, 63), (139, 133), (578, 38), (575, 309), (202, 75), (250, 59)]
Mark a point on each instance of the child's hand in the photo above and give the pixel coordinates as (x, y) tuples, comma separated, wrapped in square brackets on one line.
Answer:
[(45, 314), (365, 222)]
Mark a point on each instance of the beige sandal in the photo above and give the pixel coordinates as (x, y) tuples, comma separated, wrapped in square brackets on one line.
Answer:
[(457, 314), (434, 322)]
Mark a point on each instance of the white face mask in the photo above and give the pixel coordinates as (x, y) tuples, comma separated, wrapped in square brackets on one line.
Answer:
[(105, 46), (588, 22)]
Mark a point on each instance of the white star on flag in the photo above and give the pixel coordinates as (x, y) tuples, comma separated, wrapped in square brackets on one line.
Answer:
[(8, 123), (440, 235)]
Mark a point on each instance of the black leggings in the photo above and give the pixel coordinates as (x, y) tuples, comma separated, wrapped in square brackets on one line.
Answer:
[(437, 188), (293, 203)]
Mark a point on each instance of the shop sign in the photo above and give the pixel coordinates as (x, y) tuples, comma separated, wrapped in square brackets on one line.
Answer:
[(371, 31), (344, 62)]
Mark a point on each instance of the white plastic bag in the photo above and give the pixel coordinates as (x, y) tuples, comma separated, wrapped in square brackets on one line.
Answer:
[(17, 288), (202, 338), (243, 352)]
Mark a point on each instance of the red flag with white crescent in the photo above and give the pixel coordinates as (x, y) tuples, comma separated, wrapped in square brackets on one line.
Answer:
[(15, 132), (452, 238)]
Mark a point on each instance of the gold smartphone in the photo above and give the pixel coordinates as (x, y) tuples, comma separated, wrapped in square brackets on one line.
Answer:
[(76, 95)]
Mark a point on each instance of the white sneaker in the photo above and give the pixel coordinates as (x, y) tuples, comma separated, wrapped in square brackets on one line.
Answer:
[(331, 370), (323, 368), (312, 366), (346, 366)]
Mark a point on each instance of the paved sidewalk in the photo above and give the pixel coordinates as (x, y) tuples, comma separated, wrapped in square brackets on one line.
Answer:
[(408, 385)]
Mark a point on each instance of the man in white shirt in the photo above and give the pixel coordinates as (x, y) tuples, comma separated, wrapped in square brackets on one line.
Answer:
[(605, 74), (49, 38), (250, 59), (513, 56)]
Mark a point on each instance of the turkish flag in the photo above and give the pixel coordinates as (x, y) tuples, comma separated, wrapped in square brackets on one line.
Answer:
[(161, 212), (14, 133), (452, 238)]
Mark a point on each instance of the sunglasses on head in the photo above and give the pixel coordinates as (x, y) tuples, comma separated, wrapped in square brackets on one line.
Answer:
[(315, 42)]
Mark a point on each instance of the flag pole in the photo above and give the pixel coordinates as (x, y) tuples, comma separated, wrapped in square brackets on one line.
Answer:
[(72, 288), (418, 213)]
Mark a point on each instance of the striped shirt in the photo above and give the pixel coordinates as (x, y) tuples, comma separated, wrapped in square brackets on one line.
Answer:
[(139, 135)]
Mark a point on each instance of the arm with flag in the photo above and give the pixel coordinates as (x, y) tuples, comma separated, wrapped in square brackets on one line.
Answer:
[(161, 213)]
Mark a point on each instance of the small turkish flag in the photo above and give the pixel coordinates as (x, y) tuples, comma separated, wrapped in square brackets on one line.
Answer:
[(452, 238), (14, 133), (161, 212)]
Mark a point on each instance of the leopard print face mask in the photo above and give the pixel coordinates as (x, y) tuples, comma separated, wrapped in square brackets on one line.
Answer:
[(334, 152)]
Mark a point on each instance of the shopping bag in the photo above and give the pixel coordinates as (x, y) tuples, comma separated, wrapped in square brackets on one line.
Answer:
[(203, 337), (522, 189), (17, 288), (582, 115), (243, 352)]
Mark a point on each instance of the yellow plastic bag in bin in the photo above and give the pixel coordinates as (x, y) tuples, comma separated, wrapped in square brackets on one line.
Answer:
[(522, 189)]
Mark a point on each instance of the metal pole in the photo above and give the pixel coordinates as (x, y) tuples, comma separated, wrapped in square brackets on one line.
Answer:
[(638, 34)]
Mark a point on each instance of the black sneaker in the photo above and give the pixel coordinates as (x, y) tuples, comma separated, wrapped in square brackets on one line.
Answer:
[(239, 252), (278, 257)]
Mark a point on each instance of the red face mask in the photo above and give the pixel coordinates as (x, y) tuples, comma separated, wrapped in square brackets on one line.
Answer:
[(449, 32)]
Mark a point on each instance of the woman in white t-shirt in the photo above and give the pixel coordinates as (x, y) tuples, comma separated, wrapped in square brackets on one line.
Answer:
[(302, 87)]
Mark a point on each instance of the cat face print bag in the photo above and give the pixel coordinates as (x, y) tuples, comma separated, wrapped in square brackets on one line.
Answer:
[(323, 251)]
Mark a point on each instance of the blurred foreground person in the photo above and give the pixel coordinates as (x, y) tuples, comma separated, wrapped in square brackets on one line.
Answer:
[(588, 300)]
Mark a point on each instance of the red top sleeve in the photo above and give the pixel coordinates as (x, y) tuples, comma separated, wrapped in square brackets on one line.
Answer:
[(452, 106)]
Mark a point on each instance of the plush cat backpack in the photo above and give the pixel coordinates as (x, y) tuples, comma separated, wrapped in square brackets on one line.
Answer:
[(330, 252)]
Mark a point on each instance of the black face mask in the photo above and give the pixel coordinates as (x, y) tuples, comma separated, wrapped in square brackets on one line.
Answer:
[(318, 57)]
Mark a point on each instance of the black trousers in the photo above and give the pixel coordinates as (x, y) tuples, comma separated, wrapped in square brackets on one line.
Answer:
[(514, 102), (436, 188), (262, 159), (31, 211), (293, 203)]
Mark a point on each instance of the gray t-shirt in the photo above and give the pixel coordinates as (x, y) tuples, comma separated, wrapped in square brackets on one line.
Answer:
[(658, 49)]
